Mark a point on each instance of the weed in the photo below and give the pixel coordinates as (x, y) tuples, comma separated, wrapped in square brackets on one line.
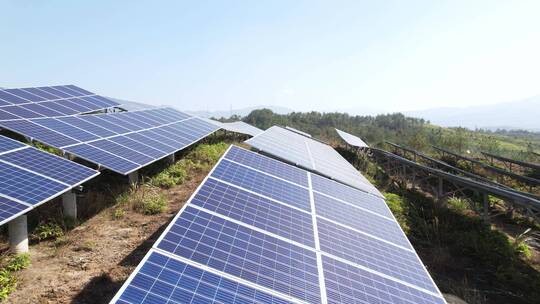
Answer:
[(118, 213), (458, 204), (45, 231), (396, 205), (10, 265), (153, 204), (171, 176)]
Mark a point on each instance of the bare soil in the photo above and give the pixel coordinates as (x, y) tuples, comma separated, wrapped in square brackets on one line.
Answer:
[(97, 256)]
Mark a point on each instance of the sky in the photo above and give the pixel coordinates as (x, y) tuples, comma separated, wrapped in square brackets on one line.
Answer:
[(361, 56)]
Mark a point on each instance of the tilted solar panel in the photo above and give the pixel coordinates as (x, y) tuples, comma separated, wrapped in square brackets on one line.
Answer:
[(352, 140), (310, 154), (243, 229), (30, 177), (121, 142), (53, 101)]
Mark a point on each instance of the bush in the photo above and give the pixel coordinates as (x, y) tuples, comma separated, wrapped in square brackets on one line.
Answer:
[(458, 204), (145, 199), (171, 176), (396, 204), (45, 231), (10, 265)]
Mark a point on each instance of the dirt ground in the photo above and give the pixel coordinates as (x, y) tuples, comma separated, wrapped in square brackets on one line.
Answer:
[(97, 256)]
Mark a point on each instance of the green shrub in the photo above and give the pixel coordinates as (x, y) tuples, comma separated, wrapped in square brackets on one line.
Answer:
[(118, 213), (153, 204), (18, 262), (10, 265), (396, 204), (523, 250), (171, 176), (458, 204), (45, 231)]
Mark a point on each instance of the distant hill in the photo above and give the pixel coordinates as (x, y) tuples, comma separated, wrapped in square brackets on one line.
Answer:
[(521, 114), (241, 112)]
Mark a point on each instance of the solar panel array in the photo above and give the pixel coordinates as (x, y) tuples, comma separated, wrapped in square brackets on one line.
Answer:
[(298, 131), (260, 231), (352, 140), (310, 154), (53, 101), (30, 177), (122, 142)]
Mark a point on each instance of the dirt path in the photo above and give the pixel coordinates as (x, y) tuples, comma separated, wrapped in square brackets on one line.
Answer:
[(97, 256)]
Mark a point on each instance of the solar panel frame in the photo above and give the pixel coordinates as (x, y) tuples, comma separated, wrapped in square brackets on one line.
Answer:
[(375, 277)]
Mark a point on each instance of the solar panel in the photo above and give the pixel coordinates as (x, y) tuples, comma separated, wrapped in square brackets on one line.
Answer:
[(298, 131), (310, 154), (240, 227), (352, 140), (121, 142), (237, 127), (30, 177), (50, 102)]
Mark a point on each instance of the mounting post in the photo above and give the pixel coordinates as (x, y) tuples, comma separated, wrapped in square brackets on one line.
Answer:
[(133, 178), (69, 203), (171, 159), (485, 201), (18, 235)]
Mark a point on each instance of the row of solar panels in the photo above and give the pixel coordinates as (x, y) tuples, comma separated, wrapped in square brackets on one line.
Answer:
[(30, 177), (261, 231), (310, 154), (49, 102)]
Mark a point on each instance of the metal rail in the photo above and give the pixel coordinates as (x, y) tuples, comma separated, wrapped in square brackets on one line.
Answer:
[(510, 161)]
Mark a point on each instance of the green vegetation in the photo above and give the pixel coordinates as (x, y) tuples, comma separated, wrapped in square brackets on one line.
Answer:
[(9, 265), (413, 132), (46, 231), (145, 199), (466, 256)]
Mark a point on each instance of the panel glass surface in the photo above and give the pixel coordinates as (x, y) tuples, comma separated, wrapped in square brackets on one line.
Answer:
[(52, 166), (256, 211), (268, 165), (165, 280), (106, 159), (355, 247), (10, 209), (263, 184), (39, 133), (245, 253), (359, 219), (7, 144), (349, 284)]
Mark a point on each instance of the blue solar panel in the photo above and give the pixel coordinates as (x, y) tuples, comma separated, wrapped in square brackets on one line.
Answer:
[(52, 166), (138, 146), (245, 253), (7, 116), (21, 112), (106, 159), (41, 110), (25, 95), (122, 151), (114, 119), (152, 142), (10, 209), (166, 131), (128, 118), (7, 144), (141, 116), (256, 211), (350, 195), (39, 133), (26, 186), (54, 92), (349, 284), (263, 184), (359, 219), (166, 280), (163, 137), (268, 165), (66, 129), (12, 99), (43, 94), (374, 254), (58, 107), (96, 120), (87, 126)]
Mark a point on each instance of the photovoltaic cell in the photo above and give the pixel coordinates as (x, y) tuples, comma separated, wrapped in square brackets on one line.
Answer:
[(245, 253), (263, 184), (350, 195), (359, 219), (40, 133), (53, 166), (268, 165), (26, 186), (256, 211), (87, 126), (102, 157), (10, 209), (138, 146), (7, 144), (165, 280), (349, 284), (127, 153), (374, 254), (247, 237), (66, 129)]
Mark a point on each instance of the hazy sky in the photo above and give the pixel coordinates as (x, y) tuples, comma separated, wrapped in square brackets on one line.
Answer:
[(305, 55)]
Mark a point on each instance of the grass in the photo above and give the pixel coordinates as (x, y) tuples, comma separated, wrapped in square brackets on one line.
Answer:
[(9, 265), (145, 199), (46, 231), (465, 256)]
